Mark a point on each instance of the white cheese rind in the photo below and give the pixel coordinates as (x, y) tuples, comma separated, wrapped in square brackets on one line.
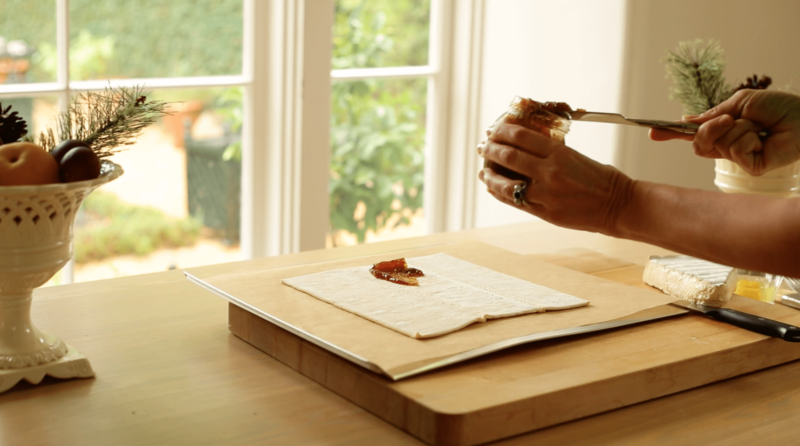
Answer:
[(691, 279)]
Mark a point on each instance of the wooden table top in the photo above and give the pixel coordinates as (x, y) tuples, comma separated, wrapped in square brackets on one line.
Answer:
[(169, 372)]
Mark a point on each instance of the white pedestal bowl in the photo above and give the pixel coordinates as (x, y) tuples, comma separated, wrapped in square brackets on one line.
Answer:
[(35, 243)]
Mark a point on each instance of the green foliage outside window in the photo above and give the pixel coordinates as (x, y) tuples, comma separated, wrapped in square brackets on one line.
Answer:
[(137, 39), (377, 126), (380, 33)]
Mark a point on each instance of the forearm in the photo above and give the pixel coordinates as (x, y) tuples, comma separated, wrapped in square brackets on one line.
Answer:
[(745, 231)]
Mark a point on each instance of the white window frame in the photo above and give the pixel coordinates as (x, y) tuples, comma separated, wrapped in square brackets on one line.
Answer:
[(286, 77)]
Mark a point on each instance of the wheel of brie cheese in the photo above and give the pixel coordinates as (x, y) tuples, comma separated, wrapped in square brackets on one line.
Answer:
[(691, 279)]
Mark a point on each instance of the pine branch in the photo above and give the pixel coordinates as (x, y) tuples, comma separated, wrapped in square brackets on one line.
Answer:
[(696, 72), (106, 121)]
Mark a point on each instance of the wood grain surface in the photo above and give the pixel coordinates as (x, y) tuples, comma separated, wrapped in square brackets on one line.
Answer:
[(545, 383), (170, 373)]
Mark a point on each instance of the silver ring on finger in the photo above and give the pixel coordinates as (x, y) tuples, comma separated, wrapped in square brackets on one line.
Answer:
[(520, 191)]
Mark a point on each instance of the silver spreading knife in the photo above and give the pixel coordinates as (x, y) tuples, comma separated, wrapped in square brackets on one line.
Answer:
[(615, 118)]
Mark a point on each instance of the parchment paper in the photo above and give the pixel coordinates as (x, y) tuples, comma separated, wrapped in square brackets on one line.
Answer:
[(392, 351)]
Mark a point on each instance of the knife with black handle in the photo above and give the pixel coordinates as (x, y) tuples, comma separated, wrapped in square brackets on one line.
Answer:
[(748, 321)]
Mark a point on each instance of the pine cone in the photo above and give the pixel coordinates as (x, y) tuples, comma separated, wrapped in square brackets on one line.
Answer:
[(12, 127), (754, 83)]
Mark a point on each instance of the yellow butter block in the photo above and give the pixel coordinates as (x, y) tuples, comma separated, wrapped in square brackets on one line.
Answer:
[(755, 289)]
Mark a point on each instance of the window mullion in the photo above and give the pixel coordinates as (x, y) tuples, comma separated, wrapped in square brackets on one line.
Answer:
[(287, 168), (62, 80), (352, 74), (436, 173), (32, 89), (253, 198), (317, 37), (258, 170), (462, 126), (162, 83), (62, 44)]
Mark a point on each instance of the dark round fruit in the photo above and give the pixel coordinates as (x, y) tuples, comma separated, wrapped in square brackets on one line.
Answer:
[(65, 146), (80, 163)]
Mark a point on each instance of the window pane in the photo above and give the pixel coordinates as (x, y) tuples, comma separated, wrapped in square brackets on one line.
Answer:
[(27, 41), (177, 204), (155, 38), (377, 160), (380, 33), (38, 112)]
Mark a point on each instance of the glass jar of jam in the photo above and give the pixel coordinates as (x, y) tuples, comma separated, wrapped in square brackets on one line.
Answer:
[(551, 119)]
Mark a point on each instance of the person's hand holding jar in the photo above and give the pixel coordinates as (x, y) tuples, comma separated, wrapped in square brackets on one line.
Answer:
[(559, 184)]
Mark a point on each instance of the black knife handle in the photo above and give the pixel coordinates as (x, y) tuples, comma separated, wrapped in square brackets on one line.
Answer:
[(755, 323)]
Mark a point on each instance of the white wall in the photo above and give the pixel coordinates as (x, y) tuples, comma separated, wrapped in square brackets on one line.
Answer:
[(566, 50), (758, 38)]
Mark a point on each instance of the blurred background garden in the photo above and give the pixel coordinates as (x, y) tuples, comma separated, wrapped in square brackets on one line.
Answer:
[(178, 204)]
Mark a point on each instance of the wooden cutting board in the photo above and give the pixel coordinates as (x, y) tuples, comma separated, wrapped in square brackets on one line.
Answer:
[(542, 384)]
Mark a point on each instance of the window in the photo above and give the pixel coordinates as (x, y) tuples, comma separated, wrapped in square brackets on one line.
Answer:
[(252, 83), (177, 205), (403, 119), (380, 77)]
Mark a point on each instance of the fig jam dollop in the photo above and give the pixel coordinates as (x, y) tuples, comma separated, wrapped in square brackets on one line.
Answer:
[(396, 271)]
